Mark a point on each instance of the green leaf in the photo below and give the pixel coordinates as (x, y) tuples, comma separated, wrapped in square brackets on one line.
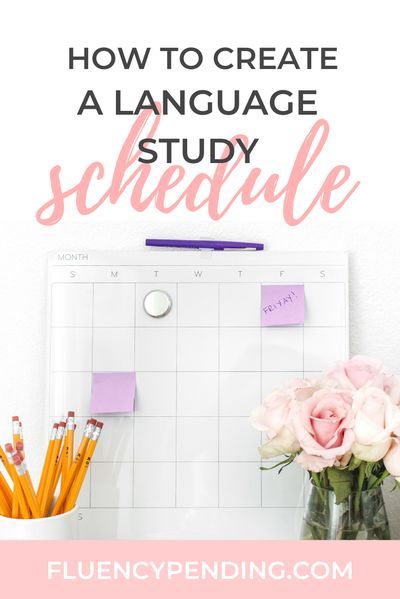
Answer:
[(282, 463), (354, 464), (316, 478), (371, 481), (379, 480), (369, 469), (361, 475), (396, 486), (341, 482)]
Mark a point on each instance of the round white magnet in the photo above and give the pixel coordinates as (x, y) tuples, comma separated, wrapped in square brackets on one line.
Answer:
[(157, 303)]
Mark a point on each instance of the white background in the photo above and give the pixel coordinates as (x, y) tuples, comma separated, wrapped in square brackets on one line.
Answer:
[(40, 128)]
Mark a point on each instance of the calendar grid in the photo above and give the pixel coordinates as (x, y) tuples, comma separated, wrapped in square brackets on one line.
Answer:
[(134, 414), (188, 446), (176, 407)]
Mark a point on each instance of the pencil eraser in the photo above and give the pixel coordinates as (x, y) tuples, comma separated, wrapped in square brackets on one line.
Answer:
[(63, 424), (71, 414), (113, 392), (17, 459), (9, 447), (99, 424), (15, 418)]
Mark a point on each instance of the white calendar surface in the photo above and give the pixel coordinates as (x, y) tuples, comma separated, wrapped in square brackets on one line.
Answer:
[(184, 464)]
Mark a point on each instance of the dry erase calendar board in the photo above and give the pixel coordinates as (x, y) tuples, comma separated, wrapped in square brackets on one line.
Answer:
[(184, 463)]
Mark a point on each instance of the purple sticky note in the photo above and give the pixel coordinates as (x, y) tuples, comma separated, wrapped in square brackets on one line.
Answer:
[(282, 304), (113, 392)]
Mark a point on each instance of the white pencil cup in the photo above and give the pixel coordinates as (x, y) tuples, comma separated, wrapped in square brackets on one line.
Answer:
[(55, 528)]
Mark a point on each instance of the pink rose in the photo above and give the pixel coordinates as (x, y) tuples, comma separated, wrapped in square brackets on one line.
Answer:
[(273, 413), (392, 459), (282, 443), (344, 460), (273, 418), (323, 426), (377, 418), (391, 386), (356, 373), (313, 463), (303, 388)]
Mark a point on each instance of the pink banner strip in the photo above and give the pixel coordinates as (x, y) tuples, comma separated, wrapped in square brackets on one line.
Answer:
[(231, 569)]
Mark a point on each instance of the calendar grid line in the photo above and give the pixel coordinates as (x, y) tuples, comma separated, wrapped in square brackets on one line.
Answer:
[(219, 389), (92, 356), (230, 326), (176, 406), (197, 507), (261, 399), (134, 412)]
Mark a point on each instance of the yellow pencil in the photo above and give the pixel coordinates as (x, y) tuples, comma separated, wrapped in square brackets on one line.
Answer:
[(21, 432), (19, 501), (4, 507), (68, 451), (5, 488), (46, 496), (17, 495), (46, 464), (59, 467), (26, 485), (79, 480), (20, 451), (66, 486), (4, 461), (16, 438), (15, 430)]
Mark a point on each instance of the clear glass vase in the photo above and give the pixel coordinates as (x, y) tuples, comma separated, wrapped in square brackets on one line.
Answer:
[(361, 516)]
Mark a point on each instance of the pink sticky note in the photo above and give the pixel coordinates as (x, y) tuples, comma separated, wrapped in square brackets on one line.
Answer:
[(282, 304), (113, 392)]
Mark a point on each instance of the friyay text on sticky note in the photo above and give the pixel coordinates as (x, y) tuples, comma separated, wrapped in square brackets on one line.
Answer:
[(282, 305), (113, 392)]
